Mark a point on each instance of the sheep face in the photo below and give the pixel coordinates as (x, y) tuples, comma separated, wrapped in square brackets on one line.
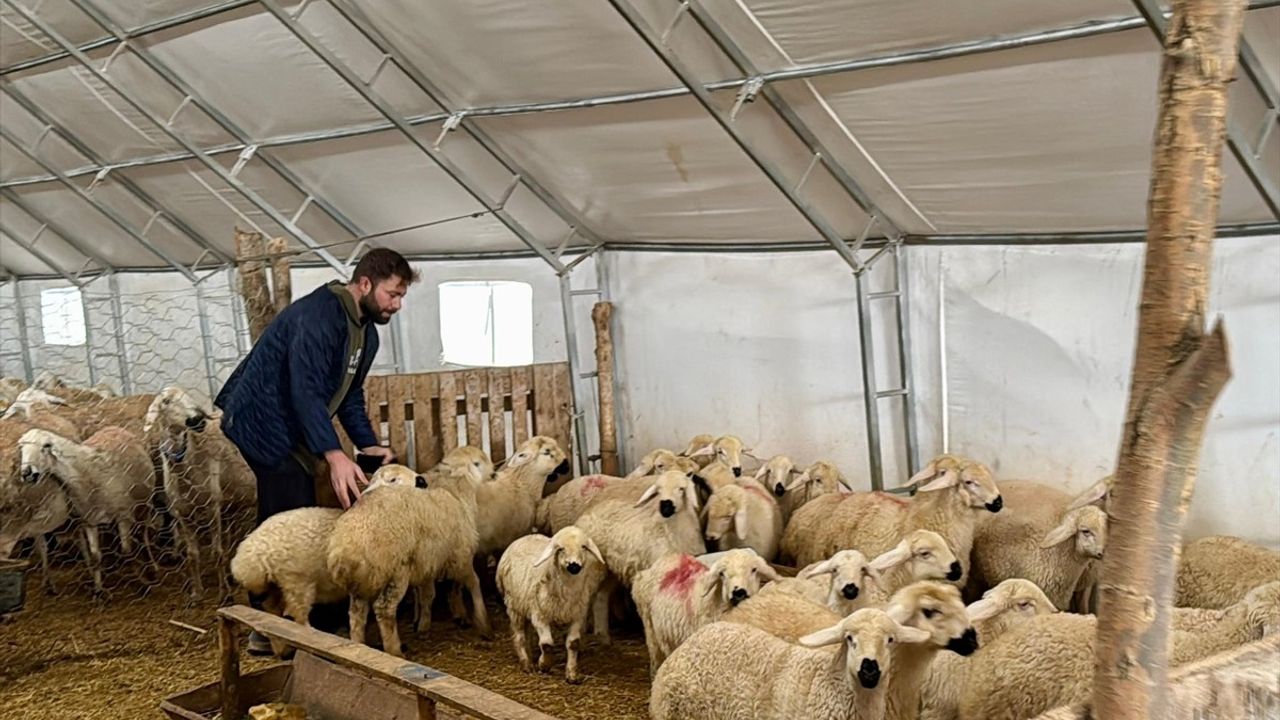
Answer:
[(655, 463), (927, 556), (1014, 597), (727, 450), (850, 574), (1087, 526), (546, 456), (938, 610), (819, 479), (471, 462), (174, 410), (571, 550), (972, 477), (671, 492), (40, 452), (868, 636), (1262, 606), (395, 475), (737, 576), (685, 465), (776, 474), (46, 380), (726, 515)]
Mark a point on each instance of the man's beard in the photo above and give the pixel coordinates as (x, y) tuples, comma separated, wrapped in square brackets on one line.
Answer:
[(371, 310)]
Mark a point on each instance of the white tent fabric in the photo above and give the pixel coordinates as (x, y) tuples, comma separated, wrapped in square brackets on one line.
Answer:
[(1053, 137)]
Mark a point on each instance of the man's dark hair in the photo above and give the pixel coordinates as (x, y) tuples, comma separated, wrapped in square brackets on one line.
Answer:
[(380, 263)]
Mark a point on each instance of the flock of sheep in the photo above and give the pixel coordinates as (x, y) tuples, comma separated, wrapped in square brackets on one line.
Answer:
[(80, 461), (863, 615)]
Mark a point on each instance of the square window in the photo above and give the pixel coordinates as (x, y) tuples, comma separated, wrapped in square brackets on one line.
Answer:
[(62, 316), (486, 323)]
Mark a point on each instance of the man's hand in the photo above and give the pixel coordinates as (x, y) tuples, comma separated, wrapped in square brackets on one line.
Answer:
[(345, 476), (387, 455)]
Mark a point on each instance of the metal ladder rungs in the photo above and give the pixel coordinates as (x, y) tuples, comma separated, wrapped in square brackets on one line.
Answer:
[(885, 294), (585, 291), (896, 392), (590, 374)]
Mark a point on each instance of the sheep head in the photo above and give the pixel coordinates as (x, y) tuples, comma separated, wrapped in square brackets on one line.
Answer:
[(657, 461), (1262, 610), (469, 462), (818, 479), (926, 555), (776, 474), (938, 610), (726, 515), (868, 635), (542, 456), (1011, 601), (1087, 526), (671, 492), (41, 453), (971, 477), (727, 450), (572, 549), (737, 575), (395, 475), (850, 573), (174, 410)]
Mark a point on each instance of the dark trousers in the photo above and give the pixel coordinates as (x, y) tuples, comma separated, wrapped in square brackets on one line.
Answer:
[(284, 487)]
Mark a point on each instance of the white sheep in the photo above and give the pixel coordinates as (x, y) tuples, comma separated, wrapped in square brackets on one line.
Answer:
[(782, 615), (206, 481), (743, 514), (633, 536), (776, 474), (654, 463), (1218, 571), (1002, 607), (576, 496), (1255, 616), (399, 536), (679, 594), (284, 562), (109, 480), (696, 443), (820, 478), (920, 555), (950, 491), (506, 505), (550, 581), (842, 583), (27, 510)]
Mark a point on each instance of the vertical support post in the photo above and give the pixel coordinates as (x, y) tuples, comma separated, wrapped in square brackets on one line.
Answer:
[(606, 295), (904, 360), (571, 347), (23, 338), (601, 313), (117, 311), (229, 648), (869, 399), (210, 374), (88, 334)]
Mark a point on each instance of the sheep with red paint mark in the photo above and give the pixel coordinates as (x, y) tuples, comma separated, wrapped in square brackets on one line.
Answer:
[(679, 594), (743, 514), (575, 497)]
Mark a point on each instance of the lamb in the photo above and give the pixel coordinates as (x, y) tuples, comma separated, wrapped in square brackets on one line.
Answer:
[(506, 505), (547, 582), (1218, 571), (696, 443), (743, 514), (937, 609), (203, 475), (1257, 615), (284, 562), (783, 615), (841, 583), (776, 474), (1030, 540), (108, 479), (820, 478), (576, 496), (632, 536), (921, 555), (726, 464), (950, 492), (678, 594), (1001, 608), (657, 461)]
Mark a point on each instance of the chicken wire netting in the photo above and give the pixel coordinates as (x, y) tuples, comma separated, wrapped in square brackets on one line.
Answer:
[(116, 478)]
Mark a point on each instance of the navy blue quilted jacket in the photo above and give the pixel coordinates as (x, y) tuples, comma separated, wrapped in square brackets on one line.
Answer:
[(278, 397)]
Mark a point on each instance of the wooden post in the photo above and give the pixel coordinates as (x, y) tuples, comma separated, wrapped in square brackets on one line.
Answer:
[(1179, 371), (229, 647), (281, 278), (253, 282), (601, 314)]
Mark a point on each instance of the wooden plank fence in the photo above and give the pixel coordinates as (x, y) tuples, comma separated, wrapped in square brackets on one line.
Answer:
[(423, 415)]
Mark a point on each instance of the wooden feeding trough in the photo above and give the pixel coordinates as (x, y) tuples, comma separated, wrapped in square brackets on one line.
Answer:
[(334, 679)]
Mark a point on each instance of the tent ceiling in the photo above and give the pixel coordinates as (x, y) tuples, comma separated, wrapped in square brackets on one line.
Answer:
[(1053, 137)]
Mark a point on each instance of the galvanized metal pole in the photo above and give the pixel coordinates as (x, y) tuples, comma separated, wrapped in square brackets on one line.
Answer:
[(571, 347), (88, 336), (23, 338), (871, 403), (206, 344), (905, 356)]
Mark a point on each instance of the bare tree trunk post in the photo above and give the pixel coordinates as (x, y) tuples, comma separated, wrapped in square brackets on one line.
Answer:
[(600, 315), (281, 277), (250, 249), (1179, 371)]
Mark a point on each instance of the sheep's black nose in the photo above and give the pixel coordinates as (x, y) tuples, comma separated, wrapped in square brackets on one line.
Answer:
[(197, 422), (737, 472), (563, 467), (779, 489), (995, 505), (966, 644), (667, 508), (573, 568), (739, 594), (850, 591), (713, 544), (29, 474), (869, 673), (419, 481), (954, 573)]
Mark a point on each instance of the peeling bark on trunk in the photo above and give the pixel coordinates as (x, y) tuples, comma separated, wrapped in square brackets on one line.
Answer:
[(253, 282), (281, 278), (1179, 371), (601, 314)]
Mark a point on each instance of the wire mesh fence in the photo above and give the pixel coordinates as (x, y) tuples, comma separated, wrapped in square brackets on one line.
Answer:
[(116, 478)]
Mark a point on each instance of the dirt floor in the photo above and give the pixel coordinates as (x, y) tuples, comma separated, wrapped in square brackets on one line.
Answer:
[(70, 658)]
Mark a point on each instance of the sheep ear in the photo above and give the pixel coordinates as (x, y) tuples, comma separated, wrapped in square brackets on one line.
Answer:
[(716, 569), (893, 558), (1095, 493), (594, 550), (748, 451), (740, 523), (911, 635), (899, 612), (647, 496), (761, 472), (822, 568), (829, 636), (871, 575), (644, 468), (983, 609), (704, 451), (691, 494), (927, 473), (767, 572), (948, 478), (800, 481), (844, 483), (1060, 534), (521, 458), (547, 552)]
